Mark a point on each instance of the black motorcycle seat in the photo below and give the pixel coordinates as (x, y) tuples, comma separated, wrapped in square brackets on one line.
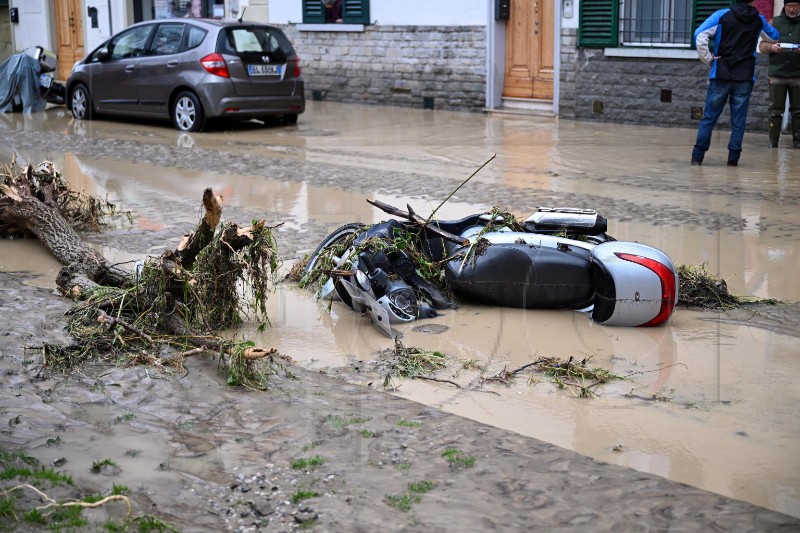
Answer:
[(524, 276)]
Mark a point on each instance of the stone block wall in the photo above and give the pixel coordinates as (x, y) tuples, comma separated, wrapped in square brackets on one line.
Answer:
[(628, 90), (6, 49), (412, 66)]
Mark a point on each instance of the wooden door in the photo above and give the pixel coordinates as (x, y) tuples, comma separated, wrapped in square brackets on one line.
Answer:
[(530, 50), (69, 30)]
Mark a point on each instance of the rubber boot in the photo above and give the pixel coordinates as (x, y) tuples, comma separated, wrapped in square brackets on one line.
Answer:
[(774, 131)]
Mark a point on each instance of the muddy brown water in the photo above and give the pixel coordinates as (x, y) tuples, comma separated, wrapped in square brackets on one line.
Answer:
[(730, 424)]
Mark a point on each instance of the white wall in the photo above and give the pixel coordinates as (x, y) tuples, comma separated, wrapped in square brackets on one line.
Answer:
[(399, 12), (569, 22), (32, 29), (121, 18)]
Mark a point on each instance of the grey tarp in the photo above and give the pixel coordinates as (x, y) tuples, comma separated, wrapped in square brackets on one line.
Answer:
[(19, 84)]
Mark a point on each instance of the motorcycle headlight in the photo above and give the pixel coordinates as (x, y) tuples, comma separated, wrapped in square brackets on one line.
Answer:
[(401, 302)]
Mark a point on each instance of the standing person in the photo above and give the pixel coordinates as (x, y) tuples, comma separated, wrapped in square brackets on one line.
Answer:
[(784, 72), (333, 10), (733, 66)]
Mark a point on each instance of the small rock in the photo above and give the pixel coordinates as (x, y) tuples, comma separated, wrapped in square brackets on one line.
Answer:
[(305, 514), (262, 507)]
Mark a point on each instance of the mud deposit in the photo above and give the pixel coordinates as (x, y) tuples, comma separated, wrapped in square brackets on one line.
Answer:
[(206, 457), (327, 448)]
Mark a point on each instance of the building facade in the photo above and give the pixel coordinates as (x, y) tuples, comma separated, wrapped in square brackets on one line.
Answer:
[(629, 61)]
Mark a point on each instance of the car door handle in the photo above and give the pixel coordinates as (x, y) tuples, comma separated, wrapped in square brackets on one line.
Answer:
[(129, 68), (173, 63)]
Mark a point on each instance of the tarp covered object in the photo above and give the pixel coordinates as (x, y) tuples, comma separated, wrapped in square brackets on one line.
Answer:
[(19, 84)]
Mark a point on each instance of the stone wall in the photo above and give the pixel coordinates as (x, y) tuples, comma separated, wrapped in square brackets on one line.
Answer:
[(413, 66), (6, 49), (628, 90)]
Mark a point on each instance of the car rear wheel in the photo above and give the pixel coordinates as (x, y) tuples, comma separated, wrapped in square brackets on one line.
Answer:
[(81, 103), (187, 113), (290, 120)]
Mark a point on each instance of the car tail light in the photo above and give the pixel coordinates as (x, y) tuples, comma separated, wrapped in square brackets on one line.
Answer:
[(297, 67), (215, 64), (667, 278)]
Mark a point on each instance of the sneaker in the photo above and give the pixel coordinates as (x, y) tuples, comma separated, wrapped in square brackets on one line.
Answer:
[(697, 162), (732, 163)]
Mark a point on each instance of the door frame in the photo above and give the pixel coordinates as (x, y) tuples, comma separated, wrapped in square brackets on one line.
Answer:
[(80, 24), (496, 60)]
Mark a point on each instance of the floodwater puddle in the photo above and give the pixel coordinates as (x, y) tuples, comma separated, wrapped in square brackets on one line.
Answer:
[(705, 402), (692, 407)]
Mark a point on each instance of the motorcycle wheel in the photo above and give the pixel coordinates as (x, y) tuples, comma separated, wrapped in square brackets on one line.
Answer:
[(338, 236), (329, 289)]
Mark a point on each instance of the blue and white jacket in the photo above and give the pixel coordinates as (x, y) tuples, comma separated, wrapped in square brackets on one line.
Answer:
[(735, 32)]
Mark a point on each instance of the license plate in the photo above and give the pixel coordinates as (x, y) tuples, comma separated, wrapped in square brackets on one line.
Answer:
[(264, 70), (45, 80)]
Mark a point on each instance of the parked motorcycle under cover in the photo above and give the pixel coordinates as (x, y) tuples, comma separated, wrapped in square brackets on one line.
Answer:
[(558, 258), (19, 84), (27, 84)]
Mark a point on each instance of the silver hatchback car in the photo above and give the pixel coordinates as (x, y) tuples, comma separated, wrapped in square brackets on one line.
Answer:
[(190, 71)]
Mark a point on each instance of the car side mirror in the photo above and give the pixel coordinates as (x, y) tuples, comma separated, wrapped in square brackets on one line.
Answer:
[(103, 54)]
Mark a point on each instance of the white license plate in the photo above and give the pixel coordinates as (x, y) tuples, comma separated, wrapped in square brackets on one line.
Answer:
[(45, 80), (264, 70)]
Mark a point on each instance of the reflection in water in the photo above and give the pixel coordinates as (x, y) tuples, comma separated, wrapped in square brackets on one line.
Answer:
[(185, 140), (710, 404)]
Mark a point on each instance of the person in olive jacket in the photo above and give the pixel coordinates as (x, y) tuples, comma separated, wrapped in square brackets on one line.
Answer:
[(784, 72)]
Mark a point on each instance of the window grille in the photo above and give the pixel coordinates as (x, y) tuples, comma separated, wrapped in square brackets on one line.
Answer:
[(656, 22)]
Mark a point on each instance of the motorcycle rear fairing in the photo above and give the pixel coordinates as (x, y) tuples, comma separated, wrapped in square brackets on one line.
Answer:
[(634, 283)]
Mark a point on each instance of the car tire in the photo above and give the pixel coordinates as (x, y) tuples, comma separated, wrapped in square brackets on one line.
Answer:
[(187, 113), (290, 120), (81, 103)]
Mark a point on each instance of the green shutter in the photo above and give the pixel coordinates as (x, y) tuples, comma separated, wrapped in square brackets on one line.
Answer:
[(313, 12), (355, 11), (599, 23), (702, 9)]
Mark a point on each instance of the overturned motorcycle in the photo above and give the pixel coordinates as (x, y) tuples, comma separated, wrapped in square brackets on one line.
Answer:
[(558, 258)]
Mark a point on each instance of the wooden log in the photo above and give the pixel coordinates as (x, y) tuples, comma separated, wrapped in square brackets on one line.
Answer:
[(416, 219)]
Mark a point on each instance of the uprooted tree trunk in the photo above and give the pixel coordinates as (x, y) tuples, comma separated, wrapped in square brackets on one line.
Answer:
[(29, 205), (177, 300)]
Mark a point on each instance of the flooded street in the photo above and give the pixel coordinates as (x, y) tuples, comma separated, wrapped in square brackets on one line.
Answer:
[(712, 398)]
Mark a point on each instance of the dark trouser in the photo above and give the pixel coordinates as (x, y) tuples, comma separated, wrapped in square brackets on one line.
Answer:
[(777, 97)]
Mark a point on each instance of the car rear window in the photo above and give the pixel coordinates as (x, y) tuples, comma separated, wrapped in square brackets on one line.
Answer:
[(196, 36), (255, 40)]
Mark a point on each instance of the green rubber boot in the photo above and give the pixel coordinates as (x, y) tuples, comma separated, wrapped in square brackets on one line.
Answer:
[(774, 131)]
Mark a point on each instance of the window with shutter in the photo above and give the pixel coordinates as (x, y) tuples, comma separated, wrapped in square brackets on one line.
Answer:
[(704, 8), (313, 12), (353, 12), (599, 23), (652, 23)]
